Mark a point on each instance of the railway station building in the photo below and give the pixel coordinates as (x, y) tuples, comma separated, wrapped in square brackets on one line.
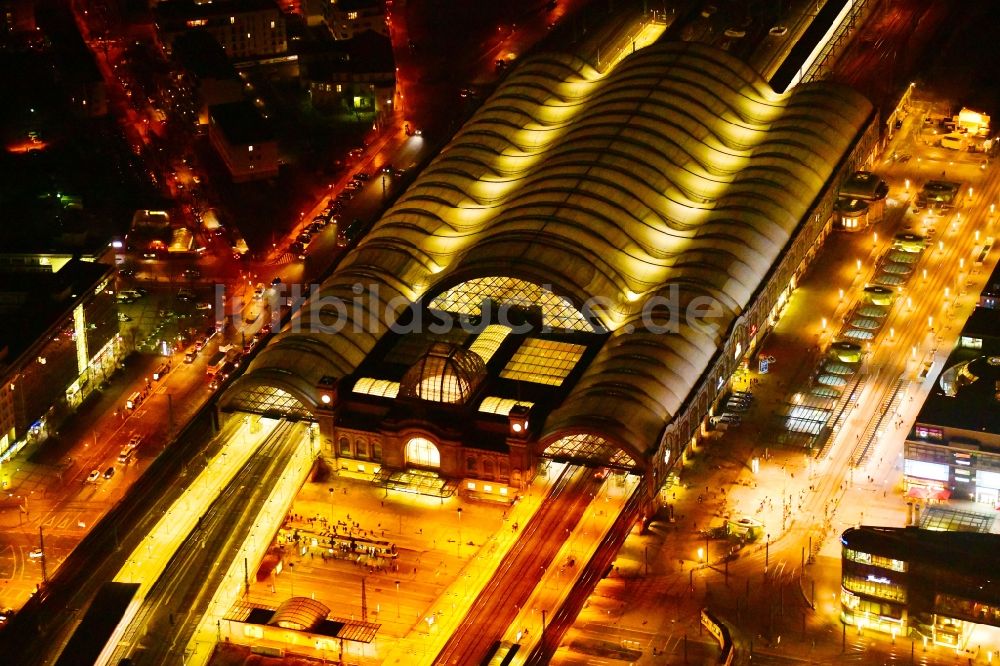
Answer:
[(575, 277)]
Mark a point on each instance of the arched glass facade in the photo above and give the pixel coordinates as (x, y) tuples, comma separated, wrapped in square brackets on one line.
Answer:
[(422, 453)]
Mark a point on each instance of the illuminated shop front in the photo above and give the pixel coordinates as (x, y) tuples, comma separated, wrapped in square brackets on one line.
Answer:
[(907, 581)]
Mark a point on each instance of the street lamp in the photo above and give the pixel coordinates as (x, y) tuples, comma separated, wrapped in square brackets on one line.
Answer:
[(767, 552), (459, 510)]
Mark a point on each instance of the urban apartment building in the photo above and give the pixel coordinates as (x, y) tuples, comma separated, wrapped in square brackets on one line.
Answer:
[(356, 75), (244, 141), (206, 69), (245, 29), (909, 582), (66, 344), (348, 18)]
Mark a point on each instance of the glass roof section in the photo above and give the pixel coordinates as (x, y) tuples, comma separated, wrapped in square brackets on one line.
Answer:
[(270, 400), (411, 347), (301, 613), (543, 361), (589, 450), (488, 342), (492, 404), (467, 298), (382, 388), (446, 373)]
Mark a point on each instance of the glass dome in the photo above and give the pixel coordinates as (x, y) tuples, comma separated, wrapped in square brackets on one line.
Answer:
[(300, 613), (446, 373)]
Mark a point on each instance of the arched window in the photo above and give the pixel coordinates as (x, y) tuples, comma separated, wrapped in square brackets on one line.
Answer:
[(423, 453), (470, 464), (345, 446), (488, 469), (361, 447), (467, 298)]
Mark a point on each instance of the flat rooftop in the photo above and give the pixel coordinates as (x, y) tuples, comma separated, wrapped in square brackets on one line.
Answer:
[(180, 10), (202, 55), (912, 544), (966, 394), (864, 185), (992, 286), (241, 123), (38, 300)]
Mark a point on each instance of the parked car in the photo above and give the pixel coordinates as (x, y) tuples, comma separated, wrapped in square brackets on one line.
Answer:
[(361, 176), (109, 472), (94, 476), (304, 237)]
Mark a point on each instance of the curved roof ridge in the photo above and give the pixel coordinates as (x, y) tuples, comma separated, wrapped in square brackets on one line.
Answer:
[(678, 171)]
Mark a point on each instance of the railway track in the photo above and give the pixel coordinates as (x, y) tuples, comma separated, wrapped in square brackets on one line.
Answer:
[(519, 572), (168, 616)]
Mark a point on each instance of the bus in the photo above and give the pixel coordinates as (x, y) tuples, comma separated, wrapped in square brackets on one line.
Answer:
[(215, 363)]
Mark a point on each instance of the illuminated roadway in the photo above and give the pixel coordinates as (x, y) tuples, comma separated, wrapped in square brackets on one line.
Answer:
[(171, 611), (518, 574)]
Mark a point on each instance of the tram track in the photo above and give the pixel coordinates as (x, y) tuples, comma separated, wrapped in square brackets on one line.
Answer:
[(518, 574)]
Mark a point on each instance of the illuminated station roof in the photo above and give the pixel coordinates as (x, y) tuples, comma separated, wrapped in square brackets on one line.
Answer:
[(679, 174)]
